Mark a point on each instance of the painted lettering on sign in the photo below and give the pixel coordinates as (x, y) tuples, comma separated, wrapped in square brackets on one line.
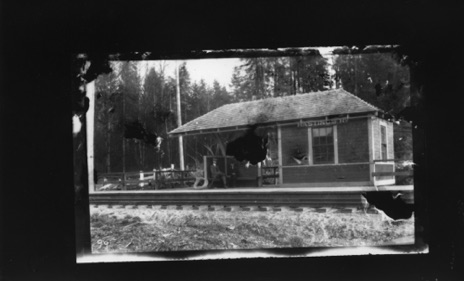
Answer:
[(322, 122)]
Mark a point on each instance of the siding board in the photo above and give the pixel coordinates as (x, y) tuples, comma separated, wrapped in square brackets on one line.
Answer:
[(293, 138), (390, 141), (332, 173), (376, 131), (353, 142)]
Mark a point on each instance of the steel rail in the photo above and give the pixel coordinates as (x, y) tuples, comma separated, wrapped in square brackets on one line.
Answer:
[(281, 199)]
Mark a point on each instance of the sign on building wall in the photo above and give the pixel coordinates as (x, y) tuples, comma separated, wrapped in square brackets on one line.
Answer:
[(322, 122)]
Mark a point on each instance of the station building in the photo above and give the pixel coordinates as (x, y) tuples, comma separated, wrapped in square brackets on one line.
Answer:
[(320, 139)]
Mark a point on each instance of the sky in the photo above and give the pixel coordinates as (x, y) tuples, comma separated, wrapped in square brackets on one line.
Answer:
[(206, 69), (214, 69)]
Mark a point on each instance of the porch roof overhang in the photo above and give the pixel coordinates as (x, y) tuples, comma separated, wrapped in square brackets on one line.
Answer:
[(270, 112), (243, 127)]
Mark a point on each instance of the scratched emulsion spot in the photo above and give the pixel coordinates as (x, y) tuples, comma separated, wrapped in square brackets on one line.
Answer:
[(98, 65), (135, 130), (248, 147), (410, 114), (391, 205), (77, 125)]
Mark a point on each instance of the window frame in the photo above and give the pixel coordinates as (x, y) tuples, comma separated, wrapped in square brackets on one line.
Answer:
[(331, 156), (383, 142)]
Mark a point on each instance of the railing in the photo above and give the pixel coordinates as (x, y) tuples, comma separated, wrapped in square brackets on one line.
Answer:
[(173, 178), (269, 174), (156, 179)]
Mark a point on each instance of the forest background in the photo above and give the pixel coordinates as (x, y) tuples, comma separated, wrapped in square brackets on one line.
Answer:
[(133, 109)]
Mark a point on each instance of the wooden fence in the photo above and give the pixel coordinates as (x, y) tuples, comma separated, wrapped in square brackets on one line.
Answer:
[(166, 179), (156, 179)]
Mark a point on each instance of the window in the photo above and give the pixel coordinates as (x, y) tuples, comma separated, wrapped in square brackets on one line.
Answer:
[(323, 145), (383, 142), (294, 146)]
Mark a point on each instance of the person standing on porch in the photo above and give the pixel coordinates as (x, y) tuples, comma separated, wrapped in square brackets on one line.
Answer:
[(216, 173)]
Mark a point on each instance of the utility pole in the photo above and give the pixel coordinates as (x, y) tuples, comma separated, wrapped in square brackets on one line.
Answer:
[(90, 122), (179, 119), (123, 141)]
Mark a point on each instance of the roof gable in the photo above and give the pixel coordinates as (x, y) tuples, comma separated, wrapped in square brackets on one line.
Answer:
[(280, 109)]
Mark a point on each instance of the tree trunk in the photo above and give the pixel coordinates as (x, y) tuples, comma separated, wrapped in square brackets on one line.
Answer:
[(168, 142), (123, 141), (274, 90), (356, 90), (108, 145)]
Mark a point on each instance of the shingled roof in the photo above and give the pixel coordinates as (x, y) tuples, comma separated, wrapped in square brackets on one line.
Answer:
[(280, 109)]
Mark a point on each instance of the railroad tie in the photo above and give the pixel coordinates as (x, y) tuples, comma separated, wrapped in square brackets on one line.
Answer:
[(345, 211), (297, 209)]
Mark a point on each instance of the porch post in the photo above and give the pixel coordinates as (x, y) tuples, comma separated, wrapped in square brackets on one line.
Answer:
[(205, 167), (370, 137), (279, 146)]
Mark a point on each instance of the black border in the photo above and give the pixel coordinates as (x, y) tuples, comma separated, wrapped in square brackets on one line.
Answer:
[(37, 39)]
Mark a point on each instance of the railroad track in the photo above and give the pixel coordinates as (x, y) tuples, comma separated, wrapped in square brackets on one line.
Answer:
[(338, 200)]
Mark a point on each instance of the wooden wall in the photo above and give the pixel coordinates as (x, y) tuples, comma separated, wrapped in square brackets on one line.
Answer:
[(352, 145), (293, 138), (329, 173), (353, 142), (353, 153), (376, 138)]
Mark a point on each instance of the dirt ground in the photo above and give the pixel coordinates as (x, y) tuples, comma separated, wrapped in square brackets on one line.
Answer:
[(118, 230)]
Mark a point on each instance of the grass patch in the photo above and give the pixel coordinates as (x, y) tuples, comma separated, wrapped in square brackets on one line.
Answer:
[(134, 230)]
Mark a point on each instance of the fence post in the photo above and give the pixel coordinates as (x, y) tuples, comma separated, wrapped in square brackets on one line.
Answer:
[(182, 178), (141, 178)]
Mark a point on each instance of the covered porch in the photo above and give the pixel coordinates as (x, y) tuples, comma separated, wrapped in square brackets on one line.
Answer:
[(322, 139)]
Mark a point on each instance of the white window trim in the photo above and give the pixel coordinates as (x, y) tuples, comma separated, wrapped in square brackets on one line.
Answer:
[(335, 146), (310, 147), (384, 123), (335, 142), (279, 143)]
